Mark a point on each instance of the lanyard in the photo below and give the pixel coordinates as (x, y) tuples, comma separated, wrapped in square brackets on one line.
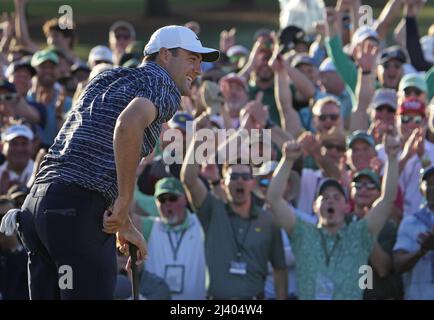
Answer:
[(324, 247), (240, 246), (174, 248)]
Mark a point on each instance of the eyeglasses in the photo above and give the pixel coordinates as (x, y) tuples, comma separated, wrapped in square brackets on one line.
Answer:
[(396, 65), (334, 146), (367, 185), (236, 175), (332, 117), (170, 197), (415, 119), (8, 97), (386, 108), (412, 91)]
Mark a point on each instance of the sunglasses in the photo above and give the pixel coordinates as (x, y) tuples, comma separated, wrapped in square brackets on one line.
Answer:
[(334, 146), (415, 119), (332, 117), (8, 97), (412, 91), (170, 197), (245, 176), (367, 185), (385, 108)]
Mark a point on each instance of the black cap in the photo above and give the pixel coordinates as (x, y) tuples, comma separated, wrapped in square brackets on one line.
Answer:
[(7, 85), (21, 63), (290, 36), (329, 182), (393, 52), (425, 173)]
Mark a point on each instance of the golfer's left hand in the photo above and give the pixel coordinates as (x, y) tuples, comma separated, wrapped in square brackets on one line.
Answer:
[(131, 235), (116, 218)]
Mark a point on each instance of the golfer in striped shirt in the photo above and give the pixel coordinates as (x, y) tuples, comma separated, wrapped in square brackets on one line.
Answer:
[(84, 188)]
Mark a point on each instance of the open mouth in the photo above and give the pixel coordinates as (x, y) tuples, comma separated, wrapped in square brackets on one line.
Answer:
[(239, 191), (330, 210)]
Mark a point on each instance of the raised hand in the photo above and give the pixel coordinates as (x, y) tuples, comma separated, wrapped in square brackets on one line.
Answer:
[(227, 39), (366, 56), (291, 150), (392, 146)]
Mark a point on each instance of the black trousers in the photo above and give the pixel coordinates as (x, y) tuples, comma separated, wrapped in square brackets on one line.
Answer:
[(69, 256)]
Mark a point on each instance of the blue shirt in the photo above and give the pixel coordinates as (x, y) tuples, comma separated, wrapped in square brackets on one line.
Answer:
[(82, 152)]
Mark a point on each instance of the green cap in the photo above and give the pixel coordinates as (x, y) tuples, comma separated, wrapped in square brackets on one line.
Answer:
[(168, 185), (370, 174), (413, 80), (42, 56), (360, 135)]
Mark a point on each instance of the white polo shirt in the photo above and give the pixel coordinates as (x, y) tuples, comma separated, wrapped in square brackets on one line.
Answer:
[(178, 256), (419, 282)]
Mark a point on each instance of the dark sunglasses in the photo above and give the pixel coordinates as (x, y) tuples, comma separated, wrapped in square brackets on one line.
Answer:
[(415, 119), (170, 197), (8, 97), (384, 107), (367, 185), (412, 91), (245, 176), (334, 146), (332, 117)]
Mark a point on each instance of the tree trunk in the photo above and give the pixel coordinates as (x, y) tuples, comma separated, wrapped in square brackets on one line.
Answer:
[(157, 8)]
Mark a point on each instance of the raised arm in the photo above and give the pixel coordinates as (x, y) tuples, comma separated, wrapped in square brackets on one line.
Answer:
[(382, 208), (21, 27), (194, 187), (386, 17), (365, 88), (282, 213), (282, 94)]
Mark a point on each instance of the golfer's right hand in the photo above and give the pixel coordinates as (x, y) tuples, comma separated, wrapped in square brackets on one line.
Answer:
[(116, 218)]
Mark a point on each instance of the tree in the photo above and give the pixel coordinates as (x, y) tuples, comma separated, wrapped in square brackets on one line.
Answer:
[(157, 8)]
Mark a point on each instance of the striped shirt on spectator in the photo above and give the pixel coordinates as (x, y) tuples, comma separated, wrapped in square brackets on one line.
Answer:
[(82, 152)]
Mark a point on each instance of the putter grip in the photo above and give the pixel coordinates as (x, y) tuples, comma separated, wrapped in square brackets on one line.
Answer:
[(134, 272)]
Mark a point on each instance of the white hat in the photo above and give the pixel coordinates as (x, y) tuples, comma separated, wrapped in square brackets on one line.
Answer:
[(267, 168), (327, 66), (100, 53), (362, 33), (427, 43), (237, 50), (17, 130), (171, 37)]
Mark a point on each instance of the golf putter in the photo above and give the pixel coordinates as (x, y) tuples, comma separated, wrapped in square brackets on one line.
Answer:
[(134, 271)]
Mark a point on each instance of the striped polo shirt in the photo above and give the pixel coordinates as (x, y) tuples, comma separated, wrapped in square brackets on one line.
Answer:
[(82, 152)]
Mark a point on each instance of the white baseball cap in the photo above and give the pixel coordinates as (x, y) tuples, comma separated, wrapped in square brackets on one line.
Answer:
[(100, 53), (17, 130), (362, 33), (171, 37), (327, 65)]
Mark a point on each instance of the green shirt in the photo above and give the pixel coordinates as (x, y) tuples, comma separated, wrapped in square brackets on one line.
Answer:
[(260, 241), (348, 250)]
